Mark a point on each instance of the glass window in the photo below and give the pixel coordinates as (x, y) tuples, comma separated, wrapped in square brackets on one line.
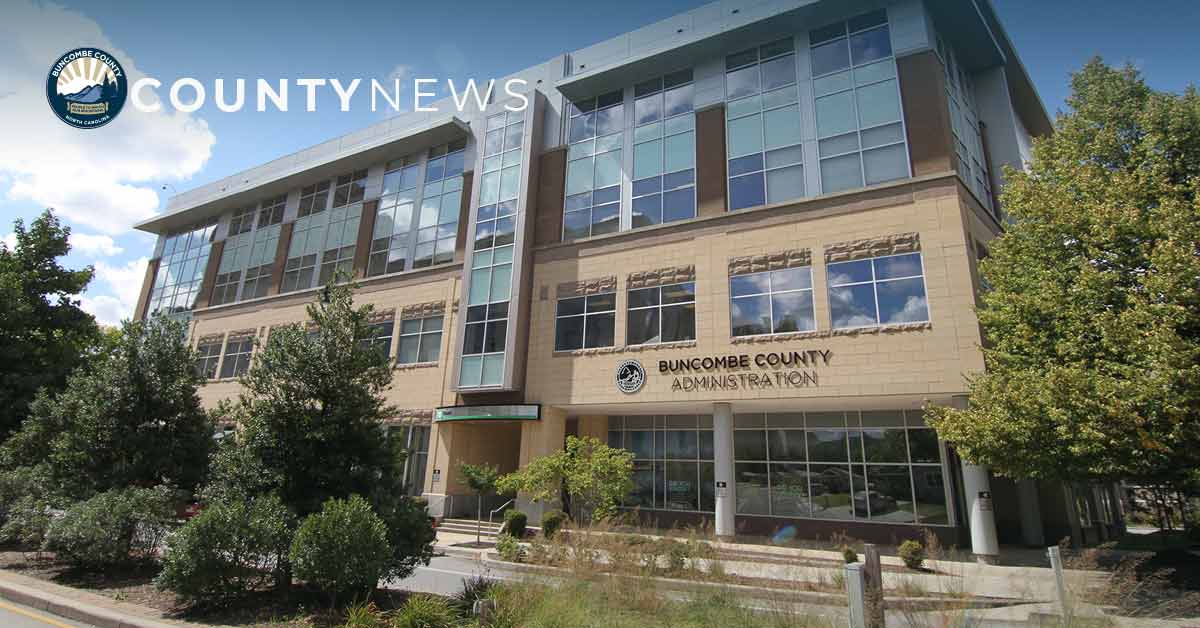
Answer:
[(585, 322), (391, 241), (964, 124), (181, 270), (420, 340), (664, 151), (208, 356), (763, 126), (883, 290), (237, 357), (441, 203), (797, 468), (771, 302), (662, 314), (859, 129), (379, 337), (314, 198), (350, 188), (596, 136)]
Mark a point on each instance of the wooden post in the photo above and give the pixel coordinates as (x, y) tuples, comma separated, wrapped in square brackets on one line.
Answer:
[(873, 576)]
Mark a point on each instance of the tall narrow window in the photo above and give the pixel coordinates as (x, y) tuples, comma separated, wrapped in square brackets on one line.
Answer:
[(771, 302), (662, 314), (437, 226), (257, 280), (593, 195), (585, 322), (391, 242), (883, 290), (859, 127), (237, 357), (341, 233), (490, 283), (664, 150), (308, 238), (763, 126)]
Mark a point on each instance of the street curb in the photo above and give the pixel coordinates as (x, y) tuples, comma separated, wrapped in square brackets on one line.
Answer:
[(77, 610)]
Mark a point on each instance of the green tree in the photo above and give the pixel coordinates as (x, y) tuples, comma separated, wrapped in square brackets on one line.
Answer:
[(596, 477), (44, 335), (481, 479), (1092, 315), (311, 413), (133, 419)]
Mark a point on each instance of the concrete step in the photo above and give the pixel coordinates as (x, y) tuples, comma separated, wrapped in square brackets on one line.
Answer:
[(467, 526)]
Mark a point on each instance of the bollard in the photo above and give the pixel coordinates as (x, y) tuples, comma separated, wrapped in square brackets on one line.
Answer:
[(1056, 564), (873, 586), (484, 610), (856, 594)]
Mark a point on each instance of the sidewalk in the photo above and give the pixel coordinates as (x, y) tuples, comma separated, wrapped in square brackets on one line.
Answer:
[(81, 606)]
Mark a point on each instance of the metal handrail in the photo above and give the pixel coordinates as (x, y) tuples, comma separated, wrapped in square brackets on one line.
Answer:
[(502, 507)]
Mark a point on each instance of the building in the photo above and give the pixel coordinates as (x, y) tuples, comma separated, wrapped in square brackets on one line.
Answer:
[(740, 242)]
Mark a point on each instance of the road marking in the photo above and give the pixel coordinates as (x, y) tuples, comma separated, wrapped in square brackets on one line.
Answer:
[(42, 618)]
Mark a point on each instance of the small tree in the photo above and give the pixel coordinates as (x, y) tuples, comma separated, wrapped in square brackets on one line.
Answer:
[(311, 412), (481, 479), (597, 477), (133, 419)]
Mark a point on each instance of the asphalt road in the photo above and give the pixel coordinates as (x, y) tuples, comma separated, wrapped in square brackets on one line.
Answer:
[(13, 615), (445, 575)]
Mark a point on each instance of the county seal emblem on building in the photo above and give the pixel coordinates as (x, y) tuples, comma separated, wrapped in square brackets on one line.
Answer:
[(86, 88)]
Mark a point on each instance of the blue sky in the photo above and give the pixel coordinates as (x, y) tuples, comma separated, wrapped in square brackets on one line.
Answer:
[(103, 180)]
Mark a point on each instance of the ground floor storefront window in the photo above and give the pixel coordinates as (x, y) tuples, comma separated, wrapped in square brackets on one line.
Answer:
[(883, 466)]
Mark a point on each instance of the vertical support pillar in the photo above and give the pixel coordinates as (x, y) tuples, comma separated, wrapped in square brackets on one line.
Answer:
[(723, 470), (1031, 513), (981, 515)]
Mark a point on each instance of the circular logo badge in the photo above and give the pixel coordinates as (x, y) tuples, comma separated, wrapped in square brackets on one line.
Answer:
[(630, 376), (86, 88)]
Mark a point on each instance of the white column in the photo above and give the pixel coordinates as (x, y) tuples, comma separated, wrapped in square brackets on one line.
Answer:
[(982, 517), (723, 469)]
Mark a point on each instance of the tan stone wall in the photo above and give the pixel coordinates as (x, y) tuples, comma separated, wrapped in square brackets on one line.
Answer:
[(929, 359), (416, 390)]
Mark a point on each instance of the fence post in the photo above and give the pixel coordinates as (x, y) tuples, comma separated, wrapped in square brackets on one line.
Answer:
[(856, 594), (873, 586), (1056, 564)]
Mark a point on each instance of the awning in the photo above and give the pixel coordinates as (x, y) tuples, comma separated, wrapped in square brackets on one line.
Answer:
[(528, 412)]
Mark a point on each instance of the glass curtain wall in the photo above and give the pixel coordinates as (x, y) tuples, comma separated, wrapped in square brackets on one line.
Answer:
[(181, 270), (883, 466), (492, 256)]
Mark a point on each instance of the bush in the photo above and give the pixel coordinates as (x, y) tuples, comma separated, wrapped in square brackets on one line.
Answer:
[(473, 589), (509, 548), (849, 555), (552, 522), (227, 550), (343, 548), (364, 615), (26, 522), (113, 528), (912, 553), (425, 611), (410, 533), (514, 523)]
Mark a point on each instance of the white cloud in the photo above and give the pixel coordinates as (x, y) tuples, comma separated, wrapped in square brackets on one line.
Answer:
[(10, 241), (95, 245), (123, 283), (103, 178)]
